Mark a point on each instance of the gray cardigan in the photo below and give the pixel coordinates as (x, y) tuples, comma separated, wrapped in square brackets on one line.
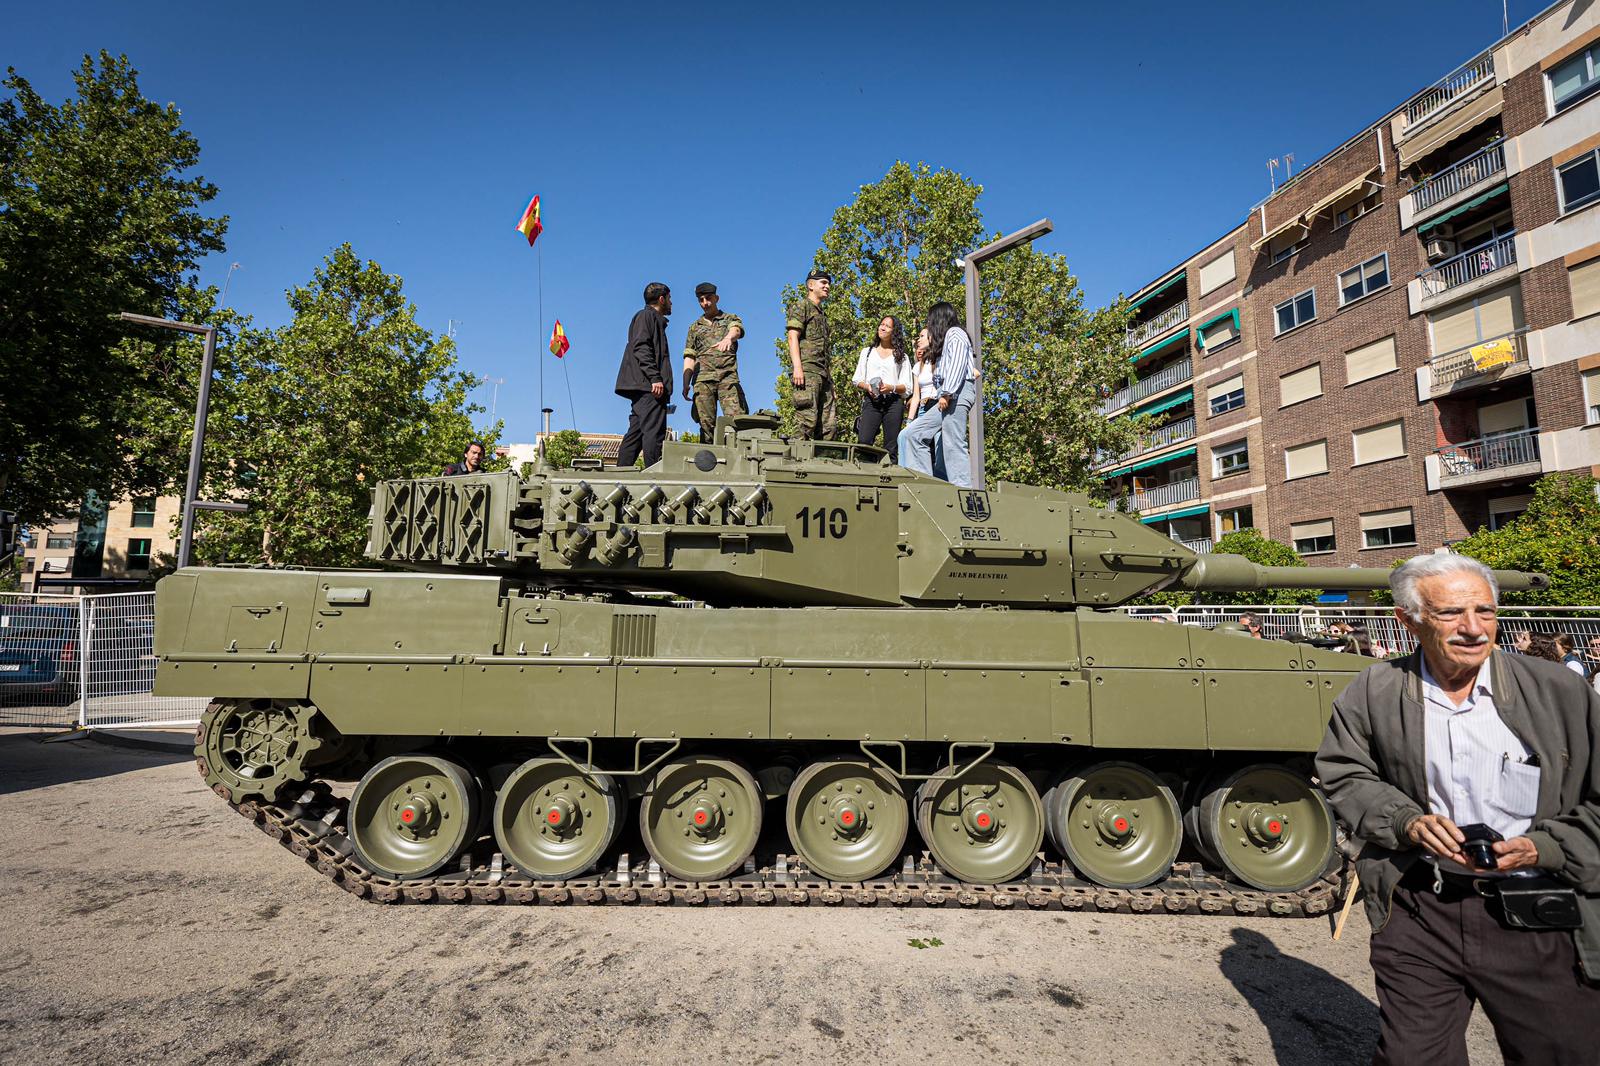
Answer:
[(1371, 764)]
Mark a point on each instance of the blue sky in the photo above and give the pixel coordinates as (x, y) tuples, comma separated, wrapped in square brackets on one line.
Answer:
[(686, 143)]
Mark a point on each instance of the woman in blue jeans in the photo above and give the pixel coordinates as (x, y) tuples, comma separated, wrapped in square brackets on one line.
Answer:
[(924, 411), (943, 426)]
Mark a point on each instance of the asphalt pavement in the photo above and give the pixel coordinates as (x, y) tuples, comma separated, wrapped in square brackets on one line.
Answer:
[(144, 921)]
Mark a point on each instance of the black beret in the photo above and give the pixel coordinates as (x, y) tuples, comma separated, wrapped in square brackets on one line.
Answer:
[(705, 288), (819, 275)]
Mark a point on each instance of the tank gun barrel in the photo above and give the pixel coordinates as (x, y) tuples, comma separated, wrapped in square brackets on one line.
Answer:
[(1234, 573)]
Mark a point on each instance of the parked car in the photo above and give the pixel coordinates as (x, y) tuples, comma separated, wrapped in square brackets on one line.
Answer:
[(40, 654)]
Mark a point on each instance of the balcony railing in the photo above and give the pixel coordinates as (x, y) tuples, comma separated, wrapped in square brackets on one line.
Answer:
[(1486, 454), (1458, 177), (1437, 97), (1174, 492), (1202, 545), (1470, 265), (1451, 367), (1158, 325), (1162, 379), (1171, 433)]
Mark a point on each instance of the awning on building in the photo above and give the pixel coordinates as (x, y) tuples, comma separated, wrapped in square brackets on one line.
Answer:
[(1167, 403), (1181, 454), (1154, 348), (1476, 201), (1334, 597), (1187, 512), (1297, 222), (1200, 330), (1342, 192), (1163, 287)]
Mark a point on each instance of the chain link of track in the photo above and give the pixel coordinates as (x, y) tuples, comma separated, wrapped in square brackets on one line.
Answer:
[(311, 825)]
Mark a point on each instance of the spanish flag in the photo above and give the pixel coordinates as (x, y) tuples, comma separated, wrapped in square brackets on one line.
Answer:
[(530, 226), (558, 341)]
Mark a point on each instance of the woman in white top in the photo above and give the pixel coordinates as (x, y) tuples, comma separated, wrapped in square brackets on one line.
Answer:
[(923, 431), (883, 374)]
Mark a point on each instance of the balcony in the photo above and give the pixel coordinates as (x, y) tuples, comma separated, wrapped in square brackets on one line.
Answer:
[(1149, 331), (1474, 170), (1171, 433), (1160, 381), (1168, 495), (1437, 97), (1479, 364), (1472, 264), (1200, 546), (1496, 458)]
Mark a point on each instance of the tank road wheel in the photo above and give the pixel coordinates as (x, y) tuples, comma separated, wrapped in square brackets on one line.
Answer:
[(1116, 822), (553, 822), (1269, 826), (985, 827), (700, 817), (254, 748), (412, 814), (847, 819)]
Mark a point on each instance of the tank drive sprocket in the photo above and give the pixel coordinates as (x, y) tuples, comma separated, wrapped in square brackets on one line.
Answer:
[(254, 748)]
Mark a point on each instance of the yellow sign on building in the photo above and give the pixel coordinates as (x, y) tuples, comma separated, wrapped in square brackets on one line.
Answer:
[(1495, 353)]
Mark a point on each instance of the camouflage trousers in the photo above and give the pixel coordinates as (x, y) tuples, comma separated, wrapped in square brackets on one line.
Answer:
[(815, 412), (710, 388)]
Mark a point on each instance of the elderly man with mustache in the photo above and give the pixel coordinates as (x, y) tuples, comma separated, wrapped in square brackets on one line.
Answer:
[(1460, 734)]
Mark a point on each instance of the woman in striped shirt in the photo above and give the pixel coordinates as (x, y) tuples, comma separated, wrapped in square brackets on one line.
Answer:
[(956, 388)]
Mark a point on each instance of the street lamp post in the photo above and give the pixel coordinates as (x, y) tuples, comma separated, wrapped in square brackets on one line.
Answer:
[(971, 262), (202, 407)]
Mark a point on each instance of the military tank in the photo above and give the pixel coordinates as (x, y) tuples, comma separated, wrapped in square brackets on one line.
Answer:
[(763, 670)]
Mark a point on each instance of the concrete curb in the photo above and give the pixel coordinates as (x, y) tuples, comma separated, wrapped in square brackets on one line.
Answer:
[(166, 741)]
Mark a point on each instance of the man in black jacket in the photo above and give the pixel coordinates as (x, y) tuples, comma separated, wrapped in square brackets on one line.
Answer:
[(645, 378)]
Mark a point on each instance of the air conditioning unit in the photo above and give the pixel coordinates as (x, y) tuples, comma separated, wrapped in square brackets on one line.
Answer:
[(1438, 248)]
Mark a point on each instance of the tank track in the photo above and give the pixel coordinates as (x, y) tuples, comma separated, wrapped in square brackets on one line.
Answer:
[(310, 824)]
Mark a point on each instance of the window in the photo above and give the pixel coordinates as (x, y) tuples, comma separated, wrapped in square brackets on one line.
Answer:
[(1226, 396), (1507, 508), (1364, 280), (1230, 459), (139, 554), (1579, 181), (1486, 316), (1217, 273), (1296, 312), (1384, 529), (60, 540), (1304, 460), (1300, 385), (1509, 416), (1233, 520), (1574, 80), (1370, 361), (1287, 244), (1219, 332), (1349, 214), (1591, 394), (1375, 443), (1584, 281), (1312, 538), (144, 512)]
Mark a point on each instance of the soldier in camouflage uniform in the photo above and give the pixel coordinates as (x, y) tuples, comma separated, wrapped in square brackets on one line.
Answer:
[(711, 360), (810, 363)]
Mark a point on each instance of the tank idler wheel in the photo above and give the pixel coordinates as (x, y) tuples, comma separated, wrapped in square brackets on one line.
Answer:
[(554, 823), (847, 819), (411, 815), (255, 748), (1116, 822), (701, 817), (984, 827), (1269, 826)]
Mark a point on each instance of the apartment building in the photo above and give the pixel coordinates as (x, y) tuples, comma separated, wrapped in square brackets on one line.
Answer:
[(1386, 353), (120, 541)]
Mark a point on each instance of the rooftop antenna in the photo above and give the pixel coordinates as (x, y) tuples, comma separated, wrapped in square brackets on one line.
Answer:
[(494, 397), (1505, 20), (1272, 172), (223, 302), (1288, 165)]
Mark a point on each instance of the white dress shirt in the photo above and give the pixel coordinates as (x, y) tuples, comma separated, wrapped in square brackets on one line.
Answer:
[(874, 364), (1477, 767)]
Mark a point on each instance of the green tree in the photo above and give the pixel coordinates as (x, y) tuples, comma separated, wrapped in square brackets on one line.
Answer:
[(563, 447), (309, 416), (1558, 535), (99, 213), (1258, 549), (1047, 360)]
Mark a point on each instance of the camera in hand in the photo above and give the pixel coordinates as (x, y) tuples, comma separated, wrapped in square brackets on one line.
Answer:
[(1479, 845)]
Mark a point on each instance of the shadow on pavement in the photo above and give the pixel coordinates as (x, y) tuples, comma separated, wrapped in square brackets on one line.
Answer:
[(1311, 1015), (27, 763)]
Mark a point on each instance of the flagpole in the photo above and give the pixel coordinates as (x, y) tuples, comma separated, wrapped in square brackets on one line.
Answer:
[(572, 408), (539, 255)]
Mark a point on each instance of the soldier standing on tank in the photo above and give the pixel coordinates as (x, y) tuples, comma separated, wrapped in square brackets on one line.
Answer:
[(711, 361), (810, 363)]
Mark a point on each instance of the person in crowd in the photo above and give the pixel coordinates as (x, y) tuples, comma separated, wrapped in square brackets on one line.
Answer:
[(956, 386), (924, 424), (1543, 646), (1357, 640), (1594, 662), (471, 461), (1252, 624), (711, 362), (1520, 641), (645, 378), (883, 374), (1569, 655), (811, 361), (1455, 734)]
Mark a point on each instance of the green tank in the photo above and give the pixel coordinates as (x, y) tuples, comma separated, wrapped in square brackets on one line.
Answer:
[(763, 670)]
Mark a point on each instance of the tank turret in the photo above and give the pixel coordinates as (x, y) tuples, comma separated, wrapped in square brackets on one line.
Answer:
[(755, 519)]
